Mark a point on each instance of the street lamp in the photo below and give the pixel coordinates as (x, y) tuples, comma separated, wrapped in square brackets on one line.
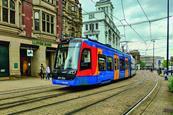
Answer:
[(167, 37), (153, 51)]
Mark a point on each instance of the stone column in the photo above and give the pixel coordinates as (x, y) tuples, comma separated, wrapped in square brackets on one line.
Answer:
[(14, 58), (38, 58)]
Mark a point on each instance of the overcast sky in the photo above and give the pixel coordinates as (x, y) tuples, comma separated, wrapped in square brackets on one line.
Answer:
[(154, 9)]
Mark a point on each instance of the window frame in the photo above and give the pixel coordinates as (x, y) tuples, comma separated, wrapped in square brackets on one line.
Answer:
[(112, 68), (122, 65), (35, 19), (10, 17), (102, 56), (48, 25), (90, 65)]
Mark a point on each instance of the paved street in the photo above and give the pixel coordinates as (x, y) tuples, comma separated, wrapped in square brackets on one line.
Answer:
[(35, 96)]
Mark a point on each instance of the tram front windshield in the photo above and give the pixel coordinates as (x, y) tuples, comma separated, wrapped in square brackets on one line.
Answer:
[(68, 55)]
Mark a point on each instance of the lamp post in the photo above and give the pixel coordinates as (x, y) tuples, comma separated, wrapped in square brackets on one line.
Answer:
[(153, 52), (167, 36)]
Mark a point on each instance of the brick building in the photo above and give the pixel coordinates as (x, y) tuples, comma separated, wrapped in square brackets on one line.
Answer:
[(29, 32)]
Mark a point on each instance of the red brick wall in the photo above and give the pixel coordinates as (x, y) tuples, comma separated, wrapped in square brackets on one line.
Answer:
[(27, 19), (59, 19)]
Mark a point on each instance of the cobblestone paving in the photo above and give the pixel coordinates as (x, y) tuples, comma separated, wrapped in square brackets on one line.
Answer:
[(35, 96)]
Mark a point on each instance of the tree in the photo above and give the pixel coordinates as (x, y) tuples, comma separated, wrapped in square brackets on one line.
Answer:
[(164, 63), (142, 64)]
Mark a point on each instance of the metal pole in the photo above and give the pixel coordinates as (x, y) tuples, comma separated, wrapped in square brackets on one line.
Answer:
[(167, 36), (153, 53)]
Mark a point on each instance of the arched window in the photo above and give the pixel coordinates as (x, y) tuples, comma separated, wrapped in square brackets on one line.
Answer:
[(8, 11), (36, 20)]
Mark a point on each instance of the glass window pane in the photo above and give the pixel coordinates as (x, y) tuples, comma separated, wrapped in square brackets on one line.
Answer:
[(37, 25), (12, 17), (109, 63), (52, 28), (102, 62), (48, 18), (52, 19), (43, 26), (5, 3), (85, 59), (5, 15), (12, 4), (48, 27), (36, 15), (43, 16)]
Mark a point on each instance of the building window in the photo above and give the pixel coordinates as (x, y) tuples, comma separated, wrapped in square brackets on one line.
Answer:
[(5, 10), (91, 27), (85, 59), (102, 62), (86, 27), (8, 11), (52, 25), (109, 63), (91, 16), (37, 20), (97, 27), (47, 23), (12, 12), (43, 22)]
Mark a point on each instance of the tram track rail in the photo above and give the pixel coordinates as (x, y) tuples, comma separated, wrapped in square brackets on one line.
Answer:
[(75, 98), (143, 99)]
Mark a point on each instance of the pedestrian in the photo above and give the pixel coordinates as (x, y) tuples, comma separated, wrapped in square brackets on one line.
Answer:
[(47, 72), (41, 71)]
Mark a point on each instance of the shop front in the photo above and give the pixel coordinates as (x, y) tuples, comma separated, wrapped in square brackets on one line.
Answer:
[(4, 59)]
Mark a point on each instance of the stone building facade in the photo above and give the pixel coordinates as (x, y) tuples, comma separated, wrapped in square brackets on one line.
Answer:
[(72, 19), (99, 24), (29, 32)]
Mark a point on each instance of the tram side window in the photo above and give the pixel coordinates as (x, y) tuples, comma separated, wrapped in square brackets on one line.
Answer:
[(122, 64), (109, 63), (102, 62), (85, 59)]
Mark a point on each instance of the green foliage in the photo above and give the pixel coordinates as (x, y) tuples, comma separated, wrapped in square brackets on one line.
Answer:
[(142, 64), (164, 64), (170, 83)]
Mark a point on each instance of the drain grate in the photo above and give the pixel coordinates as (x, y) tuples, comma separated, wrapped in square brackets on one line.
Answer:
[(168, 110)]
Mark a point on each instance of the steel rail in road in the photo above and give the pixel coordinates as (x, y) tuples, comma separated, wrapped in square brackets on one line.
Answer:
[(133, 107)]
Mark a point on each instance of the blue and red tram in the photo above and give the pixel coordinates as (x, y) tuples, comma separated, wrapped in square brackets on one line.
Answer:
[(87, 62)]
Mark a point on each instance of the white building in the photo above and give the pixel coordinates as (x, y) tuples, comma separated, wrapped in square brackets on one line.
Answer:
[(148, 60), (99, 24)]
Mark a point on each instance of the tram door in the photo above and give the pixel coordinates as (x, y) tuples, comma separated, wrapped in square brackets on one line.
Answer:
[(116, 67), (126, 67)]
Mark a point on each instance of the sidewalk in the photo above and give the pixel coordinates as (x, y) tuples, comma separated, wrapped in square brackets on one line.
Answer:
[(7, 84)]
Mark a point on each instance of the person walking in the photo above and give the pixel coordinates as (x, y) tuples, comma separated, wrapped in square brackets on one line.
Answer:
[(47, 72), (41, 71)]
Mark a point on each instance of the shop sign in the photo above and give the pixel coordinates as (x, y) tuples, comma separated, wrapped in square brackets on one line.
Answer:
[(29, 53), (41, 43)]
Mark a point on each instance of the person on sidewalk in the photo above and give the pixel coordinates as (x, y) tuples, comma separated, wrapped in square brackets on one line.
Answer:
[(41, 71), (47, 72)]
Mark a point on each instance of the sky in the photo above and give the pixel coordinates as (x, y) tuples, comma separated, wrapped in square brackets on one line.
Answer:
[(141, 39)]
